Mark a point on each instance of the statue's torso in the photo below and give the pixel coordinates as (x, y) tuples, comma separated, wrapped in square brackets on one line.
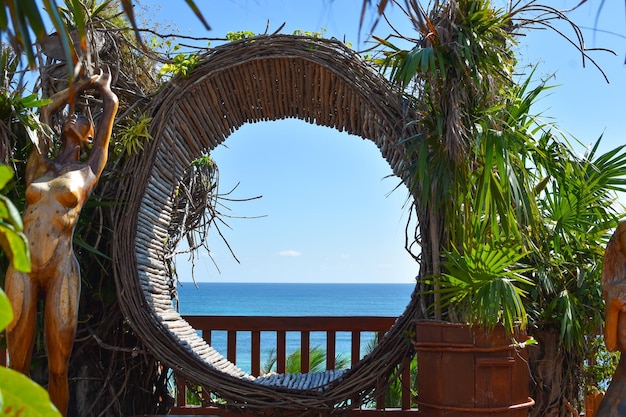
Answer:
[(53, 203)]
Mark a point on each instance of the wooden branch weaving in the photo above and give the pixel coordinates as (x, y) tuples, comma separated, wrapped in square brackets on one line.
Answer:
[(254, 80)]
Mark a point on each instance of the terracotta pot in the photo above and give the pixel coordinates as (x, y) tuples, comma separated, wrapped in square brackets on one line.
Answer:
[(467, 371)]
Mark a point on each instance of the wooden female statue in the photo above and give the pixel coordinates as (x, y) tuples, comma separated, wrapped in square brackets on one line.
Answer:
[(56, 190), (614, 293)]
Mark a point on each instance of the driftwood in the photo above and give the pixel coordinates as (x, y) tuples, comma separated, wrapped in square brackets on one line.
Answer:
[(261, 79)]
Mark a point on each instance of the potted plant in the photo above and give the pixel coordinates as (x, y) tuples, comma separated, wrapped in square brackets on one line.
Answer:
[(473, 194), (477, 364)]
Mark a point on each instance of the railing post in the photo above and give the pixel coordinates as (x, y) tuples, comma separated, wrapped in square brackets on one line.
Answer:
[(256, 353), (331, 346), (231, 348), (181, 391), (305, 352), (355, 357), (356, 348), (405, 378), (281, 351)]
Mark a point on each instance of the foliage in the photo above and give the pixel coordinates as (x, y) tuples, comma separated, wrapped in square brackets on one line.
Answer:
[(20, 396), (131, 137), (600, 367), (239, 35), (577, 208), (310, 34), (317, 361), (12, 240), (181, 64), (482, 278), (18, 122), (25, 16), (462, 169), (512, 222)]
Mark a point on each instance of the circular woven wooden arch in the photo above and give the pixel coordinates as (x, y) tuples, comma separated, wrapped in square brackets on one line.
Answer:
[(261, 79)]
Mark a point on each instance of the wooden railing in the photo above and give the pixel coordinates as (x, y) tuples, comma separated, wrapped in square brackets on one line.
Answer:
[(254, 326), (355, 327)]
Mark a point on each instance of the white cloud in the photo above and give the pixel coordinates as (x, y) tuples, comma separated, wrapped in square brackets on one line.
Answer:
[(289, 252)]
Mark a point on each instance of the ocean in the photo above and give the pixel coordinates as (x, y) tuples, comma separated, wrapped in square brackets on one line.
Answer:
[(291, 299)]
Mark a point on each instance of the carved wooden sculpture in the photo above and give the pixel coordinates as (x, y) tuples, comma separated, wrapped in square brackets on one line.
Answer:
[(614, 292), (56, 190)]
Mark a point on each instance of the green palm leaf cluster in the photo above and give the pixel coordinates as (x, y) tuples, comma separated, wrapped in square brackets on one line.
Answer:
[(578, 207), (487, 282)]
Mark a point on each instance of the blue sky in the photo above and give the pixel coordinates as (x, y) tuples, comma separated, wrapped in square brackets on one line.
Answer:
[(329, 211)]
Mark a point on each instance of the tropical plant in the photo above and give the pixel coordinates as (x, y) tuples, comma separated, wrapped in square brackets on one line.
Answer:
[(463, 170), (578, 208), (12, 240), (132, 135), (484, 282), (510, 219), (317, 361)]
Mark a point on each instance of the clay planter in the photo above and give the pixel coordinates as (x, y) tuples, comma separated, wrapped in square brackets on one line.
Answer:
[(464, 371)]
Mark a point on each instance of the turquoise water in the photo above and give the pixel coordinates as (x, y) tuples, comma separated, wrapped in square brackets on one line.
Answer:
[(270, 299)]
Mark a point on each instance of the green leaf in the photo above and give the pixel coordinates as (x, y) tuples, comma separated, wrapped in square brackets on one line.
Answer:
[(15, 245), (33, 100), (6, 173), (24, 398), (31, 10), (4, 21), (79, 20), (6, 312), (9, 213)]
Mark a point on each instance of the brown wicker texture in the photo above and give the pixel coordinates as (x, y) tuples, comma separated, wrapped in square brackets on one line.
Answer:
[(262, 79)]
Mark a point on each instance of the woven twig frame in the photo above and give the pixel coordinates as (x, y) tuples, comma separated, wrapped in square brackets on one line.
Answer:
[(260, 79)]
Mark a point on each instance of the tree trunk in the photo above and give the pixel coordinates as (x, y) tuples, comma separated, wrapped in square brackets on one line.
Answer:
[(553, 376)]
